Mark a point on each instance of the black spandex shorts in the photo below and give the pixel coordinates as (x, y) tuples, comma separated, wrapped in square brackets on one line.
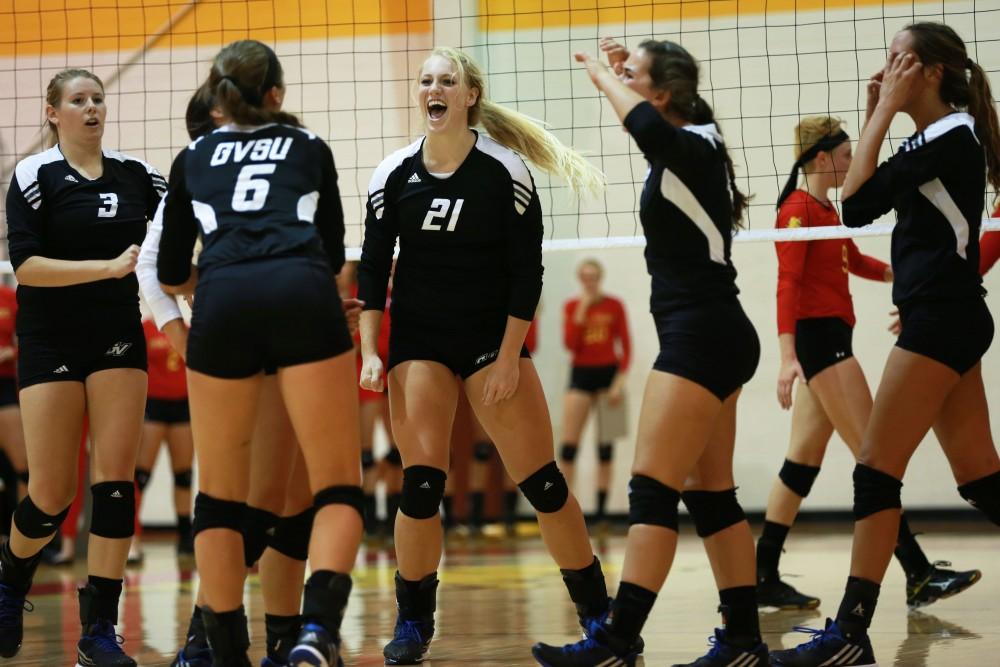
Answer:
[(72, 355), (168, 411), (463, 351), (274, 312), (956, 334), (8, 392), (592, 379), (713, 344), (821, 342)]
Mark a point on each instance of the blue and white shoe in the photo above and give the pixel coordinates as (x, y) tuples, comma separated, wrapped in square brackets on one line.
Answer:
[(828, 648), (586, 622), (101, 647), (724, 654), (12, 608), (315, 648), (594, 650), (411, 643)]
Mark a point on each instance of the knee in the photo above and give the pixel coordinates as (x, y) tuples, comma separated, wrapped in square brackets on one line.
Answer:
[(423, 489), (605, 452), (291, 535), (48, 497), (113, 509), (984, 495), (367, 461), (256, 527), (713, 511), (652, 503), (34, 522), (874, 491), (482, 451), (546, 489), (211, 512), (567, 453), (797, 477), (142, 477), (394, 458), (183, 479)]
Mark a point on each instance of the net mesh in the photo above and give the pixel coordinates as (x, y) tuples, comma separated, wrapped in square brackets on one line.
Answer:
[(350, 66)]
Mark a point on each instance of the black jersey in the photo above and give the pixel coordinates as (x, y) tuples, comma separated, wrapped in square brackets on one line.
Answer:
[(470, 245), (685, 209), (53, 211), (936, 183), (256, 192)]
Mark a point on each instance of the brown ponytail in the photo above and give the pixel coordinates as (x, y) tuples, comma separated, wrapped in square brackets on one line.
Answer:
[(242, 74), (983, 109)]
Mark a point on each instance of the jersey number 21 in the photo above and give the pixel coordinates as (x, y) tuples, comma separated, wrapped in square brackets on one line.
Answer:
[(439, 209)]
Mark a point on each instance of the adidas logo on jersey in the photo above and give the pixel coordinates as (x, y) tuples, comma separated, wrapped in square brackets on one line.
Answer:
[(71, 178), (118, 349), (414, 179), (61, 369)]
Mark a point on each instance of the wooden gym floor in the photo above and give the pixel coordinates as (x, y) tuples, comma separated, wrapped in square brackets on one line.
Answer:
[(498, 597)]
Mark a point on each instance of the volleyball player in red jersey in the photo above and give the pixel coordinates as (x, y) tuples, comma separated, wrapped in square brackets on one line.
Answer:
[(595, 331), (11, 432), (815, 325), (989, 248), (168, 419)]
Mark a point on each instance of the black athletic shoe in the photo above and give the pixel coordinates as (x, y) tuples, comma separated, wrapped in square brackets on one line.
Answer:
[(594, 650), (195, 652), (101, 647), (724, 654), (12, 608), (411, 643), (773, 592), (937, 584), (827, 647), (315, 648)]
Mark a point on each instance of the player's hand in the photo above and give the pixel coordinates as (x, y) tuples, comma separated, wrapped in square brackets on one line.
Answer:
[(124, 264), (177, 333), (616, 392), (372, 373), (790, 370), (899, 80), (352, 311), (889, 275), (617, 54), (874, 89), (501, 380), (7, 353), (895, 324), (595, 68)]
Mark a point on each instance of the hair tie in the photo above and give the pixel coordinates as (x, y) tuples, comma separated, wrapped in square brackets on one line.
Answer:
[(826, 144)]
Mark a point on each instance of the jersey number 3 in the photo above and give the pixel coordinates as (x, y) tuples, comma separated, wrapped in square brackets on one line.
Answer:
[(439, 209), (109, 205), (250, 193)]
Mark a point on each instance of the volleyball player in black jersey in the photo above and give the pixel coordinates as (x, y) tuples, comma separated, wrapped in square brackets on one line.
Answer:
[(76, 214), (468, 278), (262, 192), (933, 377), (708, 350)]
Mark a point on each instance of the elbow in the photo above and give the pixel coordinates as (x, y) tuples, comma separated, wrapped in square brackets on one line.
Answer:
[(854, 215)]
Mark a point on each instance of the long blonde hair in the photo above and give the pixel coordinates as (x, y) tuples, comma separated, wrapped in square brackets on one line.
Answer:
[(522, 133), (811, 130)]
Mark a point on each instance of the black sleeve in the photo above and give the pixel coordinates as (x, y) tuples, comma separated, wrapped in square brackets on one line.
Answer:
[(662, 143), (157, 188), (180, 228), (524, 258), (24, 233), (329, 211), (381, 229), (871, 201)]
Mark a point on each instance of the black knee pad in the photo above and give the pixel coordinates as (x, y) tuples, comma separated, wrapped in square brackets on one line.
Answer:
[(874, 491), (258, 527), (797, 477), (346, 494), (605, 452), (23, 476), (567, 453), (984, 495), (210, 512), (713, 511), (112, 514), (394, 458), (291, 535), (423, 489), (142, 478), (546, 489), (482, 451), (183, 479), (367, 459), (652, 503), (34, 523)]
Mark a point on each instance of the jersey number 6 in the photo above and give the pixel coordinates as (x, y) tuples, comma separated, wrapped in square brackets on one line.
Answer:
[(439, 209), (250, 193)]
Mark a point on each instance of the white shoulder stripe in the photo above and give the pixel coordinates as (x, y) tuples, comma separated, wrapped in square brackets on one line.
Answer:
[(708, 132), (943, 202), (26, 173), (380, 176), (676, 192), (939, 128), (515, 166), (158, 181)]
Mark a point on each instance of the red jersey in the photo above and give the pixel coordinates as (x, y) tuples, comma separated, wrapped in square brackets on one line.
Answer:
[(383, 333), (8, 313), (531, 338), (594, 343), (989, 248), (812, 275), (167, 379)]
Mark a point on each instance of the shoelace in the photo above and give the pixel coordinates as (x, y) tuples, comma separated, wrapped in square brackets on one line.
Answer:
[(11, 608), (410, 630), (819, 636), (582, 645), (108, 640)]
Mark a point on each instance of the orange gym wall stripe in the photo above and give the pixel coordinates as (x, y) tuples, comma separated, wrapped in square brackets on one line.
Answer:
[(34, 27)]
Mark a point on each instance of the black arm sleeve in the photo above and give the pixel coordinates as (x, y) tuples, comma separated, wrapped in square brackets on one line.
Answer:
[(871, 201), (653, 134), (24, 234), (524, 259), (180, 229), (376, 254), (330, 212)]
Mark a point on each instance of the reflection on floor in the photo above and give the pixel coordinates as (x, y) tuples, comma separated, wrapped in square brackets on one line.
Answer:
[(498, 597)]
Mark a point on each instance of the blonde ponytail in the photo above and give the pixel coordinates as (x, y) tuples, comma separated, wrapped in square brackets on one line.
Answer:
[(522, 133)]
